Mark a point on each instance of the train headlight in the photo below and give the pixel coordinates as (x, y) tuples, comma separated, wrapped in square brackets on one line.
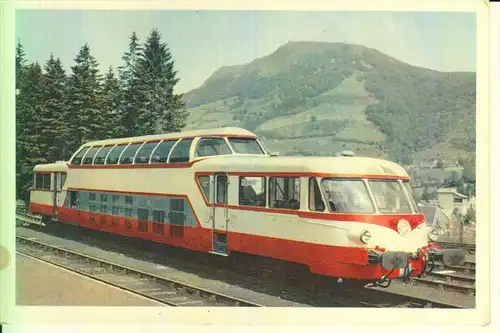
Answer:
[(404, 227), (433, 235), (365, 236)]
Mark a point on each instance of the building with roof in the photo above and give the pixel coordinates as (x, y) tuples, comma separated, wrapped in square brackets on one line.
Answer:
[(450, 200)]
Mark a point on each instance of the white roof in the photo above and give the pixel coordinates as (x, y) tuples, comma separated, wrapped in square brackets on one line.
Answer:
[(311, 164), (203, 132), (451, 190), (59, 166)]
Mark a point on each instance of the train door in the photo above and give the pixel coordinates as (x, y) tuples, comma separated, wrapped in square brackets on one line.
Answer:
[(55, 187), (220, 216), (58, 194)]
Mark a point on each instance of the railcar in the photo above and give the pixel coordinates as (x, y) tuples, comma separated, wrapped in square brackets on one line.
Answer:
[(220, 191)]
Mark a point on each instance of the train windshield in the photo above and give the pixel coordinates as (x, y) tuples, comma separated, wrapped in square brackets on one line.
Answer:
[(390, 197), (347, 196), (245, 146), (409, 190)]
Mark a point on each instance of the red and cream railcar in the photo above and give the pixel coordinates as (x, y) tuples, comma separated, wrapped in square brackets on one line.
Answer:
[(219, 191)]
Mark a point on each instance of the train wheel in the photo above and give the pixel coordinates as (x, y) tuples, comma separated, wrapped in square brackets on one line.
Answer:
[(48, 221)]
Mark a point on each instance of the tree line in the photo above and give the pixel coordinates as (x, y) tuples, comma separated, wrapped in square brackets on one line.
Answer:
[(57, 111)]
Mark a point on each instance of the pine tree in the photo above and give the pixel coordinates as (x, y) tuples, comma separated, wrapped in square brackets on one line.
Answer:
[(54, 121), (163, 111), (20, 62), (29, 107), (20, 118), (83, 100), (110, 107), (131, 95)]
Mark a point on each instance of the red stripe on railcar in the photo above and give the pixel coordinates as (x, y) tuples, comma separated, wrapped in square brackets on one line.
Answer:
[(337, 261)]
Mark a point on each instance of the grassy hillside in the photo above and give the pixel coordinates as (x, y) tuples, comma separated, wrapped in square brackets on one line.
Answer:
[(315, 98)]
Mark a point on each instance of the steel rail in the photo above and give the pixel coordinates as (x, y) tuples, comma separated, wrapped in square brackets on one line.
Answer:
[(411, 299), (175, 293)]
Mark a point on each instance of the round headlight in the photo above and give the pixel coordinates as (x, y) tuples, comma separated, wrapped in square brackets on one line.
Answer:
[(404, 227), (433, 235), (365, 236)]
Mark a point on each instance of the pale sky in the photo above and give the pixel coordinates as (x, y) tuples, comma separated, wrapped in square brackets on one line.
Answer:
[(203, 41)]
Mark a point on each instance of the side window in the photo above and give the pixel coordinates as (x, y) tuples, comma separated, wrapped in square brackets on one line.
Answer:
[(142, 203), (221, 195), (129, 206), (103, 198), (83, 200), (252, 191), (204, 182), (94, 205), (129, 153), (180, 153), (78, 157), (159, 209), (101, 155), (87, 160), (46, 181), (160, 154), (63, 179), (71, 199), (114, 155), (116, 204), (38, 181), (144, 153), (284, 192), (212, 146), (316, 203), (57, 179)]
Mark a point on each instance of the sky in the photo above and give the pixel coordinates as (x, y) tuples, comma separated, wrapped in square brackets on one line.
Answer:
[(203, 41)]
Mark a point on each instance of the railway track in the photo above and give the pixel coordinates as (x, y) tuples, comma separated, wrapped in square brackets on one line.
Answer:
[(470, 248), (160, 289), (461, 279), (295, 283)]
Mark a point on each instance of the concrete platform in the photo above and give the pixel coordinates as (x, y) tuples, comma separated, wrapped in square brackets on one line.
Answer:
[(39, 283)]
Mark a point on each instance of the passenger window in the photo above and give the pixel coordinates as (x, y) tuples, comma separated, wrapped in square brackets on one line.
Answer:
[(129, 153), (221, 189), (212, 147), (129, 200), (114, 154), (158, 207), (160, 154), (101, 155), (284, 192), (204, 182), (46, 181), (245, 146), (316, 203), (158, 215), (143, 213), (57, 176), (63, 179), (87, 160), (38, 180), (144, 153), (72, 200), (252, 191), (78, 157), (180, 153)]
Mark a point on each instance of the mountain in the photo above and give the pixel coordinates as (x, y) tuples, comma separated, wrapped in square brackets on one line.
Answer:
[(315, 98)]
